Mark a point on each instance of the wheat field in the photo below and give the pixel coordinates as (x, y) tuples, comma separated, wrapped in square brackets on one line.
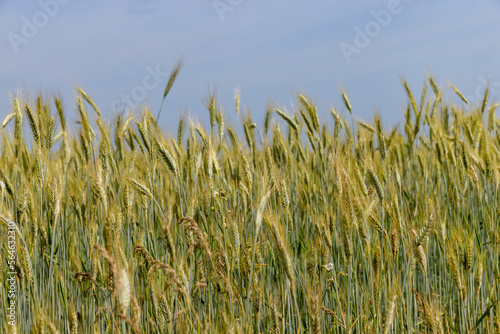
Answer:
[(292, 225)]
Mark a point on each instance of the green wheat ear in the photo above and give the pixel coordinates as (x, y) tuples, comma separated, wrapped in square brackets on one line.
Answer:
[(170, 83), (460, 95), (347, 103)]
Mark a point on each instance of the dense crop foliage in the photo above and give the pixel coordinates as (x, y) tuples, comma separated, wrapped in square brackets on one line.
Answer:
[(289, 226)]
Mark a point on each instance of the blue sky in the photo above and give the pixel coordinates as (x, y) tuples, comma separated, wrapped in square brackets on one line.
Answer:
[(269, 49)]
